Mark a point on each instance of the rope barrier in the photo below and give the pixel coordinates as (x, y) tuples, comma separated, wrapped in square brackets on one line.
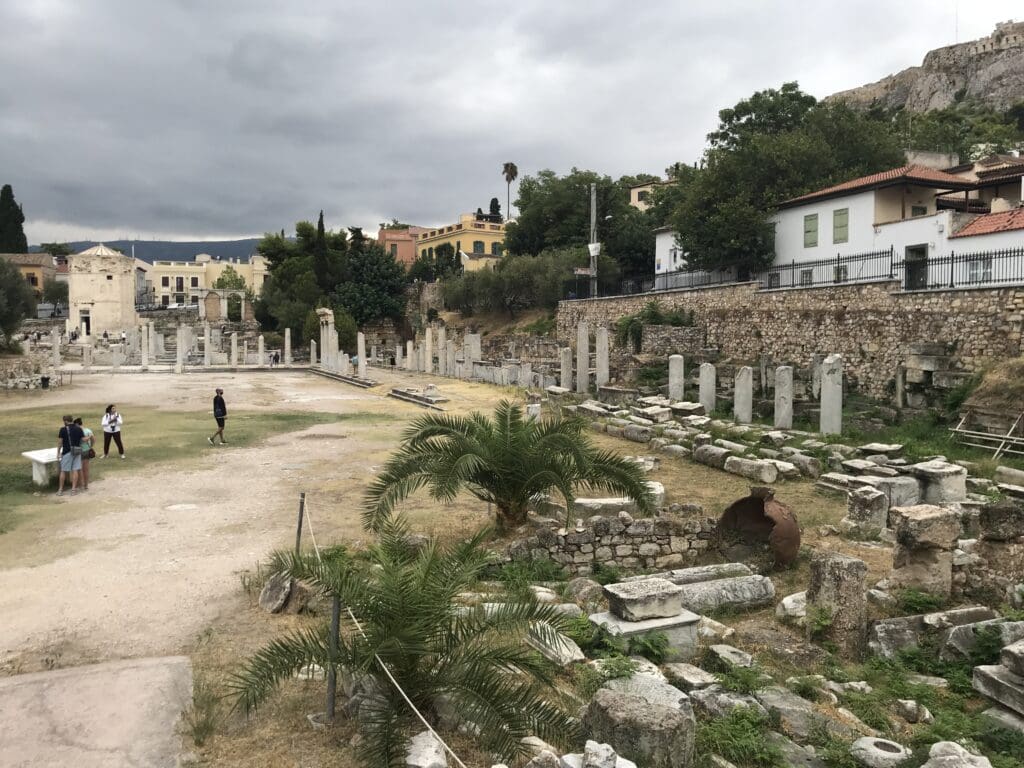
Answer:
[(383, 666)]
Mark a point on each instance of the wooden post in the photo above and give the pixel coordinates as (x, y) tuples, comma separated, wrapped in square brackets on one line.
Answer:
[(298, 528)]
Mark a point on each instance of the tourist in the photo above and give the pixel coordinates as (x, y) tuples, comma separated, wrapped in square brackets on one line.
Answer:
[(220, 412), (69, 454), (88, 451), (111, 424)]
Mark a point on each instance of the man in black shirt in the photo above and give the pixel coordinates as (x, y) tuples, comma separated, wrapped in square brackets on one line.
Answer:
[(69, 454), (220, 412)]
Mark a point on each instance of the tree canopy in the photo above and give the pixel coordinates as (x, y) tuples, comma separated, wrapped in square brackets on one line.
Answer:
[(12, 219), (230, 279), (16, 301)]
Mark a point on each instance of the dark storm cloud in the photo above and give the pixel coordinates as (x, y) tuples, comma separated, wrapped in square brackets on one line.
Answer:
[(194, 119)]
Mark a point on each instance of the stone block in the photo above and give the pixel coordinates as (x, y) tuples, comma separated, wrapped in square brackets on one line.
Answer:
[(836, 590), (638, 433), (942, 482), (758, 470), (646, 599), (425, 751), (1012, 657), (717, 702), (688, 676), (809, 466), (652, 735), (949, 754), (1009, 475), (740, 592), (699, 573), (1002, 686), (874, 752), (925, 526), (731, 656), (680, 630), (792, 609), (1002, 520), (711, 455), (867, 513)]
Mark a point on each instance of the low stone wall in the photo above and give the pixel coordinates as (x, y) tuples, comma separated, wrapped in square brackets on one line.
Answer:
[(20, 373), (873, 326), (649, 543), (671, 340), (524, 347)]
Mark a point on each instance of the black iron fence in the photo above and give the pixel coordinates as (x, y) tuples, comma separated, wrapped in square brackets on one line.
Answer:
[(915, 271)]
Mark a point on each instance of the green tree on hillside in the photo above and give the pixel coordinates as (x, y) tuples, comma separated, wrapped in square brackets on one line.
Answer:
[(12, 219), (56, 249), (16, 302)]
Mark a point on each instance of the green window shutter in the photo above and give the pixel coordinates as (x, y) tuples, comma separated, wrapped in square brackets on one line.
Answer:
[(841, 225), (810, 230)]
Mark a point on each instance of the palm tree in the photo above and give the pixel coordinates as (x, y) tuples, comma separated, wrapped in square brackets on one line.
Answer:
[(505, 460), (446, 658), (511, 173)]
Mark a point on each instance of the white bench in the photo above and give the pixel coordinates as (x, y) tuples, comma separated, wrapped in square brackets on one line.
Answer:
[(44, 464)]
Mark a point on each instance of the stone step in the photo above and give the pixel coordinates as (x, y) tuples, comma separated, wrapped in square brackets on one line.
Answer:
[(1000, 685)]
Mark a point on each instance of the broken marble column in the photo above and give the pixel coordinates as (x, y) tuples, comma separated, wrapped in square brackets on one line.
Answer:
[(398, 355), (472, 348), (743, 395), (234, 350), (449, 354), (144, 348), (245, 352), (361, 354), (428, 350), (312, 350), (288, 346), (922, 558), (410, 356), (676, 378), (601, 344), (206, 345), (784, 397), (179, 363), (442, 351), (707, 387), (55, 347), (832, 395), (867, 513), (582, 358), (87, 357), (836, 608), (261, 351), (116, 354), (565, 361)]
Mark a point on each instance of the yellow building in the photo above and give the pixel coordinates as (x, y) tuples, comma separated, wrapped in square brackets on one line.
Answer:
[(180, 282), (36, 268), (478, 240)]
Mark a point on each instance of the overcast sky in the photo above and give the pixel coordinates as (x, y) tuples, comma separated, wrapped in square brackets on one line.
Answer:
[(189, 119)]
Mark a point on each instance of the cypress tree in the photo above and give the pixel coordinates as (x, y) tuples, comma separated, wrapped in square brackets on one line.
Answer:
[(12, 234)]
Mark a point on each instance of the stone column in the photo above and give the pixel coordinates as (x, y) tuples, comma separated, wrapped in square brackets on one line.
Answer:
[(312, 351), (901, 385), (207, 344), (525, 375), (179, 363), (288, 346), (361, 354), (116, 353), (449, 354), (472, 348), (565, 363), (234, 349), (398, 355), (582, 357), (832, 395), (144, 349), (743, 395), (442, 351), (55, 347), (323, 343), (836, 609), (784, 397), (601, 336), (428, 350), (676, 378), (816, 376), (410, 356), (707, 387), (261, 352), (87, 357)]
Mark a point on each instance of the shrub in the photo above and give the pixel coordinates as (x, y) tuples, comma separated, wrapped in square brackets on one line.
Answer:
[(915, 601), (741, 738), (741, 679)]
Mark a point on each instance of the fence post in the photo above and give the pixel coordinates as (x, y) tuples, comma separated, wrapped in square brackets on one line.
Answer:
[(332, 674), (792, 274), (892, 262), (298, 528), (952, 262)]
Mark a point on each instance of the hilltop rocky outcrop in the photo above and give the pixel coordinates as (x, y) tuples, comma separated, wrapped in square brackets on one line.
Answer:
[(989, 71)]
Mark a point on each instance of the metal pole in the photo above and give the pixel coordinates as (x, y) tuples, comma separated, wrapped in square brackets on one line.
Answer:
[(298, 528), (593, 239), (332, 674)]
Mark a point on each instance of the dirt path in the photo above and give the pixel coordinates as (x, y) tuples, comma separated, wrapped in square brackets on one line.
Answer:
[(146, 560)]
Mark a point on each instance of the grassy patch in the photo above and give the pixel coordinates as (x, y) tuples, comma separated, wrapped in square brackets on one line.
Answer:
[(520, 575), (915, 601), (201, 718), (741, 738), (542, 326)]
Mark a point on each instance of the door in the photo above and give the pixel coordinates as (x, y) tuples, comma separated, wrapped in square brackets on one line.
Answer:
[(915, 261)]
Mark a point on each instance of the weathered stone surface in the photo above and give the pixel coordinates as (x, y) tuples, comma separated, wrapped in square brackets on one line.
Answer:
[(653, 689), (809, 466), (1001, 685), (798, 716), (647, 599), (650, 734), (889, 636), (699, 573), (949, 754), (688, 677), (711, 455), (879, 753), (867, 511), (901, 491), (1009, 475), (681, 630), (793, 755), (1012, 657), (891, 450), (275, 592), (963, 640), (738, 448), (760, 471), (545, 759), (943, 482), (831, 421), (637, 433), (787, 470), (425, 751), (709, 629), (1002, 520), (913, 711), (585, 591), (1002, 718), (563, 651), (792, 609), (737, 592), (718, 702), (731, 656), (923, 558), (836, 591)]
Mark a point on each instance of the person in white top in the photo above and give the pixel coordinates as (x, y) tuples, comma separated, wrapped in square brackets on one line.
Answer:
[(111, 430)]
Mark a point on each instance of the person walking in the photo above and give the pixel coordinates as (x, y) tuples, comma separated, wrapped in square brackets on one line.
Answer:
[(220, 413), (69, 454), (111, 424), (88, 451)]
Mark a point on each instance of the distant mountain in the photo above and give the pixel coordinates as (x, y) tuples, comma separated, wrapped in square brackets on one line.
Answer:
[(989, 71), (169, 250)]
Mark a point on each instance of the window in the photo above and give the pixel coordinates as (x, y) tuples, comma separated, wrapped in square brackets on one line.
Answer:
[(918, 210), (430, 252), (642, 196), (165, 281), (811, 230), (806, 277), (840, 273), (165, 299), (774, 280), (423, 253), (841, 225), (32, 279), (110, 277), (979, 270), (179, 284), (394, 249), (495, 249), (478, 246), (195, 282), (195, 300)]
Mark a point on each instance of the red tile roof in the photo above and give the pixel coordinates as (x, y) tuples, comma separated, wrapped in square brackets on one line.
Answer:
[(1005, 221), (907, 174)]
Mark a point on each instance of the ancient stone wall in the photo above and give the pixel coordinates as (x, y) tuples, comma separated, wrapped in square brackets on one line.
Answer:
[(873, 326), (22, 372), (670, 340), (524, 347), (650, 543)]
